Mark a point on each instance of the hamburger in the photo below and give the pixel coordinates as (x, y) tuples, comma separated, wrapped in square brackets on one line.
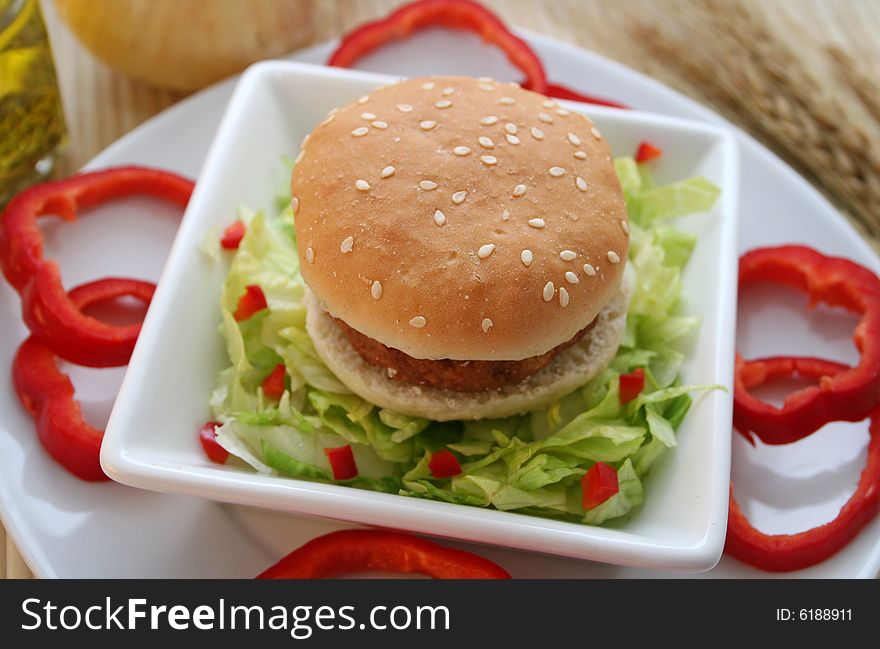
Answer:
[(464, 245)]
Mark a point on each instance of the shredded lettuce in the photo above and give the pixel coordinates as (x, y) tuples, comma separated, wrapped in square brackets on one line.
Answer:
[(531, 463)]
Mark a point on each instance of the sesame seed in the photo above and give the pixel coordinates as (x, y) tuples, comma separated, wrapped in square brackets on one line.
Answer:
[(299, 157), (537, 223), (526, 256), (328, 119), (580, 155), (294, 203), (439, 217), (347, 244), (461, 150), (418, 322), (362, 185), (443, 103), (563, 297), (487, 87), (613, 257), (487, 324), (368, 116), (428, 86), (458, 197), (624, 225), (428, 185), (548, 103), (391, 372), (581, 183), (404, 108), (376, 290), (488, 120), (574, 139), (485, 250), (537, 133), (505, 214), (512, 139), (448, 91), (595, 132), (544, 117), (567, 255), (556, 172), (388, 171), (510, 128), (379, 124), (310, 255), (360, 131), (589, 270), (519, 190), (507, 101), (563, 112), (485, 79), (486, 142), (305, 141), (364, 99), (571, 277), (488, 159), (427, 124), (549, 290)]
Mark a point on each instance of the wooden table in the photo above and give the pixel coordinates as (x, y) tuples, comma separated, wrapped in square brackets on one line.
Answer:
[(101, 104)]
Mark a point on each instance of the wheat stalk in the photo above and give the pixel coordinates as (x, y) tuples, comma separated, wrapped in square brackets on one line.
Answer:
[(756, 75)]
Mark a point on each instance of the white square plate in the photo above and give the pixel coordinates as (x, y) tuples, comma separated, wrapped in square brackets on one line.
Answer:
[(151, 441)]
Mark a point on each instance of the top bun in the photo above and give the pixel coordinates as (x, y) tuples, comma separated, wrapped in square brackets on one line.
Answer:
[(451, 217)]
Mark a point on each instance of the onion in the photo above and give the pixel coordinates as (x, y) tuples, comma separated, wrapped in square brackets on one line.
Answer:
[(187, 44)]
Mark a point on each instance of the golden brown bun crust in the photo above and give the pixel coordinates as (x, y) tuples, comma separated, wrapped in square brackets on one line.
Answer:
[(472, 307)]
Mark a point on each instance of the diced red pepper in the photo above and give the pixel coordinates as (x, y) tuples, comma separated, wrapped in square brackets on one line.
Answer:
[(208, 438), (631, 385), (53, 318), (598, 484), (232, 236), (648, 152), (455, 14), (252, 301), (849, 395), (342, 462), (443, 464), (274, 384), (352, 551)]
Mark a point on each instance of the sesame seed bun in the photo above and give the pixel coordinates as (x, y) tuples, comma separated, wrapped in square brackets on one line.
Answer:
[(568, 371), (450, 217)]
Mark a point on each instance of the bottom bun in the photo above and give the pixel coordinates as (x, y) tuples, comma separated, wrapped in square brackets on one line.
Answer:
[(566, 372)]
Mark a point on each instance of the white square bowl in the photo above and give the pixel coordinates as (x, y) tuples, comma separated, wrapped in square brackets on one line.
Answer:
[(151, 441)]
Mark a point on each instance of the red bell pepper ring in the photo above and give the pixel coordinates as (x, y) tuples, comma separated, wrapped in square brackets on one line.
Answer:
[(631, 385), (455, 14), (57, 322), (48, 395), (561, 92), (647, 152), (232, 236), (252, 301), (598, 484), (342, 462), (849, 395), (21, 242), (208, 440), (352, 551), (443, 464), (274, 384), (48, 311), (785, 552)]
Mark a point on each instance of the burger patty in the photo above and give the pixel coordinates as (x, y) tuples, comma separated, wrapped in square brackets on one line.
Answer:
[(449, 374)]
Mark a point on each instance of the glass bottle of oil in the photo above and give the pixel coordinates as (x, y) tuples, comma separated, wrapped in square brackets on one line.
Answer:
[(31, 118)]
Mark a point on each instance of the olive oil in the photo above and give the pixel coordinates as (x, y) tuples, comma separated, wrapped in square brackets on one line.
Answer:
[(31, 118)]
